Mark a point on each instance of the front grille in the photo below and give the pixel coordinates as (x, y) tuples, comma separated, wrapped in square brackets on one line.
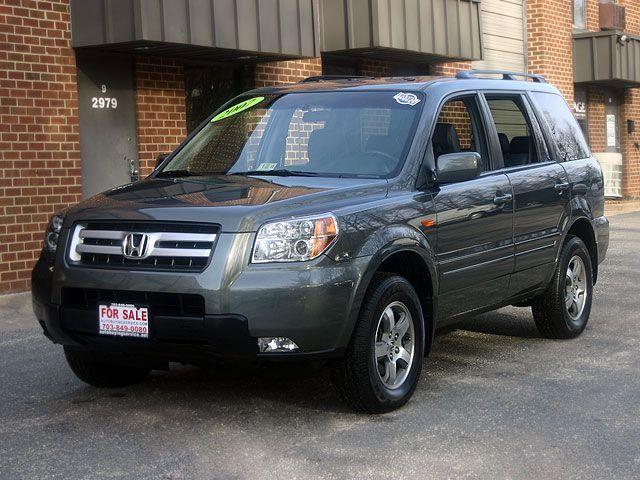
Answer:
[(169, 246), (159, 303)]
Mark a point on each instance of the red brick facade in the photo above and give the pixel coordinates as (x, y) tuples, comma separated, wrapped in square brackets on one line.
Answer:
[(279, 73), (160, 109), (629, 101), (550, 42), (631, 111), (39, 139), (549, 35), (39, 133), (595, 114), (374, 68), (449, 69)]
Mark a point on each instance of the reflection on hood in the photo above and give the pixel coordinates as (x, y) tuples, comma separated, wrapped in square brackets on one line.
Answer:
[(216, 191)]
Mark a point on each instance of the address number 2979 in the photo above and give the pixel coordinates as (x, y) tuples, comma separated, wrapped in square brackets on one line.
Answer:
[(104, 102)]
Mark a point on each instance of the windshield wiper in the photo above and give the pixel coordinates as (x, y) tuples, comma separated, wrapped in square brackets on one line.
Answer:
[(276, 173), (177, 173)]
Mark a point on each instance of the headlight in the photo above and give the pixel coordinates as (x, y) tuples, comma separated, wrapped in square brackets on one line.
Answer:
[(296, 240), (53, 233)]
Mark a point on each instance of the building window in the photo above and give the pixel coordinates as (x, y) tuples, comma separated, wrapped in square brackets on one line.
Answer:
[(579, 14)]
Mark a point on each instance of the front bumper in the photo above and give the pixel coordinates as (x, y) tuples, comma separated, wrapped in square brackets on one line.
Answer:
[(311, 303)]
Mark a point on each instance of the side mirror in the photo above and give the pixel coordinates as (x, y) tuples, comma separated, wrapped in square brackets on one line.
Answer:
[(459, 167), (161, 158)]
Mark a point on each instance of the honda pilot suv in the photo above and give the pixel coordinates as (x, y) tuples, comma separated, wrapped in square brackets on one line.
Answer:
[(341, 220)]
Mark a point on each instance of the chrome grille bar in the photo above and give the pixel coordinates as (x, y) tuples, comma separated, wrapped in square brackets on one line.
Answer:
[(100, 249), (158, 236), (109, 243)]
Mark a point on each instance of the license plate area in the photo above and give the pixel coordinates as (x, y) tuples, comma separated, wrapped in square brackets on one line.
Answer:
[(123, 320)]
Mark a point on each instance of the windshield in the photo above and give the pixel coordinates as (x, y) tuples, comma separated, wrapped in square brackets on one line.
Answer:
[(315, 134)]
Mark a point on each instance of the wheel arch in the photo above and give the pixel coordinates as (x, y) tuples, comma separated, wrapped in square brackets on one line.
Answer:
[(414, 261), (411, 265), (582, 228)]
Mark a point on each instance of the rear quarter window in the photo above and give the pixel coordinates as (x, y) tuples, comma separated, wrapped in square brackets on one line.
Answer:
[(565, 131)]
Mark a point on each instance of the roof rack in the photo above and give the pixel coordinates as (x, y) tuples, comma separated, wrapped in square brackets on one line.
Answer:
[(348, 78), (506, 75)]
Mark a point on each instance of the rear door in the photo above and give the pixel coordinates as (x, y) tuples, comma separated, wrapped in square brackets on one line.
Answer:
[(540, 188), (474, 218)]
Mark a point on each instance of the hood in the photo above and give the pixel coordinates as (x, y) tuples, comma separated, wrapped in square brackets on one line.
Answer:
[(238, 204)]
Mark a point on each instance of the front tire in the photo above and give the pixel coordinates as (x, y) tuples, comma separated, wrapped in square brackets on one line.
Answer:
[(562, 311), (94, 370), (381, 367)]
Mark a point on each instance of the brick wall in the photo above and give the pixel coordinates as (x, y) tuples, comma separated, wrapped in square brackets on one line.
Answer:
[(160, 108), (39, 139), (595, 119), (39, 135), (279, 73), (450, 69), (629, 107), (630, 152), (632, 16), (550, 42), (630, 110), (374, 68), (593, 15)]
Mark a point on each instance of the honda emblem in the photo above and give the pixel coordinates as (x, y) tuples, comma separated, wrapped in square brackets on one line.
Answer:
[(135, 245)]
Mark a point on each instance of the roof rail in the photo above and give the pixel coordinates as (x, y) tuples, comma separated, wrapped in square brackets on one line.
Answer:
[(320, 78), (506, 75)]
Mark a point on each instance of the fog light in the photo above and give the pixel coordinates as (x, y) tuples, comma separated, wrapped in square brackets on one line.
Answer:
[(276, 344)]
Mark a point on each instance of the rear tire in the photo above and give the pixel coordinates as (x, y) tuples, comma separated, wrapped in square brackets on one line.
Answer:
[(382, 365), (562, 311), (96, 371)]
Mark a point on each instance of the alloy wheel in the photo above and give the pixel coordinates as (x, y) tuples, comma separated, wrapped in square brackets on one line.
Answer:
[(575, 287), (394, 344)]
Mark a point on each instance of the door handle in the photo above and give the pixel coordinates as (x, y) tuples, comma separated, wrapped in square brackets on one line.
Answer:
[(562, 187), (502, 199)]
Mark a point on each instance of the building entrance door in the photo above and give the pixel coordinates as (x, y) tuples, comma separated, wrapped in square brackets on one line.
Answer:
[(611, 159), (107, 117), (209, 87)]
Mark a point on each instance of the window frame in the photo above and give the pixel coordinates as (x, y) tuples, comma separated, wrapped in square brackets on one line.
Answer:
[(542, 149), (473, 95)]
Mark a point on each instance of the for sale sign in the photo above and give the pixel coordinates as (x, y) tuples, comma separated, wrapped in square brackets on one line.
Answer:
[(123, 320)]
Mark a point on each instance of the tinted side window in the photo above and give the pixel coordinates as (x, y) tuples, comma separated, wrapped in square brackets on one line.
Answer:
[(517, 141), (565, 131), (458, 129)]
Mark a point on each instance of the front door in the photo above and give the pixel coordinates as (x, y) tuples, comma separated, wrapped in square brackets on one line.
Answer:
[(208, 88), (106, 104), (540, 187), (474, 218)]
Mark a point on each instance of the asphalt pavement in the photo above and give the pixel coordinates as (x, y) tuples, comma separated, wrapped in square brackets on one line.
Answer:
[(494, 401)]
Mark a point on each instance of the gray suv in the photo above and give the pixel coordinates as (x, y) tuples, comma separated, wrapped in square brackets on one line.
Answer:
[(340, 219)]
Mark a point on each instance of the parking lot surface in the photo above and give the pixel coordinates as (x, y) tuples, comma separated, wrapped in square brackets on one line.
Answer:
[(494, 401)]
